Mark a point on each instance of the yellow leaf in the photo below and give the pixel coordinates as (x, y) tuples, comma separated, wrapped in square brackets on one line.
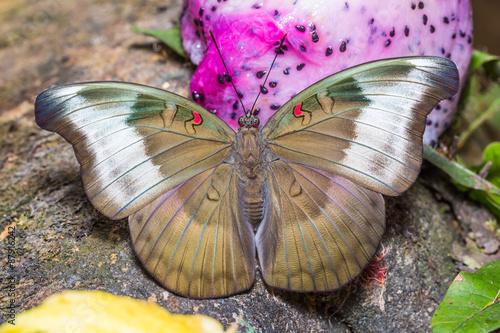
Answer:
[(101, 312)]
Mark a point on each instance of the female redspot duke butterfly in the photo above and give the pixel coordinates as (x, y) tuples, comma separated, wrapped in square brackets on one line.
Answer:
[(304, 191)]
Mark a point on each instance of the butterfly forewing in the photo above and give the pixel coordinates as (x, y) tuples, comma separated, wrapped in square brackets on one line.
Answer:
[(319, 231), (133, 142), (365, 123), (194, 240)]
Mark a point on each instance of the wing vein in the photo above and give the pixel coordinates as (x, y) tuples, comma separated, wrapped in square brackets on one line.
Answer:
[(164, 179), (334, 162), (366, 146), (338, 205), (301, 235)]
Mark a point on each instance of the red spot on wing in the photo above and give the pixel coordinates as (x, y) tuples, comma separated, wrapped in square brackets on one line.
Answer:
[(297, 111), (197, 118)]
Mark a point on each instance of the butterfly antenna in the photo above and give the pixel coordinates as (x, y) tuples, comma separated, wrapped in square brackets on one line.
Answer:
[(278, 50), (227, 71)]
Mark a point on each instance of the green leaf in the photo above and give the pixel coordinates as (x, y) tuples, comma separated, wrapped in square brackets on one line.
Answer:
[(481, 97), (491, 201), (471, 304), (172, 38), (492, 153), (480, 120), (479, 58), (458, 173)]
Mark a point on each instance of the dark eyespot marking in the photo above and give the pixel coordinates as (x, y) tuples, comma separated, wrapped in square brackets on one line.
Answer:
[(300, 28), (315, 37), (220, 79), (343, 46), (260, 74)]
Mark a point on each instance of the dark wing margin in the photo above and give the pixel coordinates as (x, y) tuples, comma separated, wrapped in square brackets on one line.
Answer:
[(133, 142), (194, 239), (319, 230), (365, 123)]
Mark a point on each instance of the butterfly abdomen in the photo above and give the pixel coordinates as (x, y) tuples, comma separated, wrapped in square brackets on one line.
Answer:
[(251, 195), (250, 155)]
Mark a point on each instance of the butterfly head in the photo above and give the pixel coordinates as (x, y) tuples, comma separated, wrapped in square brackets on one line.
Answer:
[(248, 121)]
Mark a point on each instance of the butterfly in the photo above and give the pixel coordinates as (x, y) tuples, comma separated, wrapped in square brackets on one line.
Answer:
[(304, 192)]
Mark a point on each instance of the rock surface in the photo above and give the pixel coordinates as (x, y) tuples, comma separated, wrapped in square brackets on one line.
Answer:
[(61, 242)]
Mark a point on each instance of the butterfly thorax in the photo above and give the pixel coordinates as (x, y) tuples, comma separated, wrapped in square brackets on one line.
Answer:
[(250, 155), (249, 149)]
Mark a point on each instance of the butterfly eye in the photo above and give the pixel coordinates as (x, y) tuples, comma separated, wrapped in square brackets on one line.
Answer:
[(255, 121), (241, 121)]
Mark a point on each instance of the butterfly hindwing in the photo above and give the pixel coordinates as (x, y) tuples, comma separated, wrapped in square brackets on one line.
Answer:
[(319, 230), (365, 123), (194, 240), (133, 142)]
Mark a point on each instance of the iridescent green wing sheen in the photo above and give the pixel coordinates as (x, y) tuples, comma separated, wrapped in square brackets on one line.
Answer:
[(319, 230), (194, 240), (365, 123), (133, 142)]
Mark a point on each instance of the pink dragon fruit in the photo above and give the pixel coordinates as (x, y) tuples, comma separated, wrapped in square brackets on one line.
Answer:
[(323, 37)]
